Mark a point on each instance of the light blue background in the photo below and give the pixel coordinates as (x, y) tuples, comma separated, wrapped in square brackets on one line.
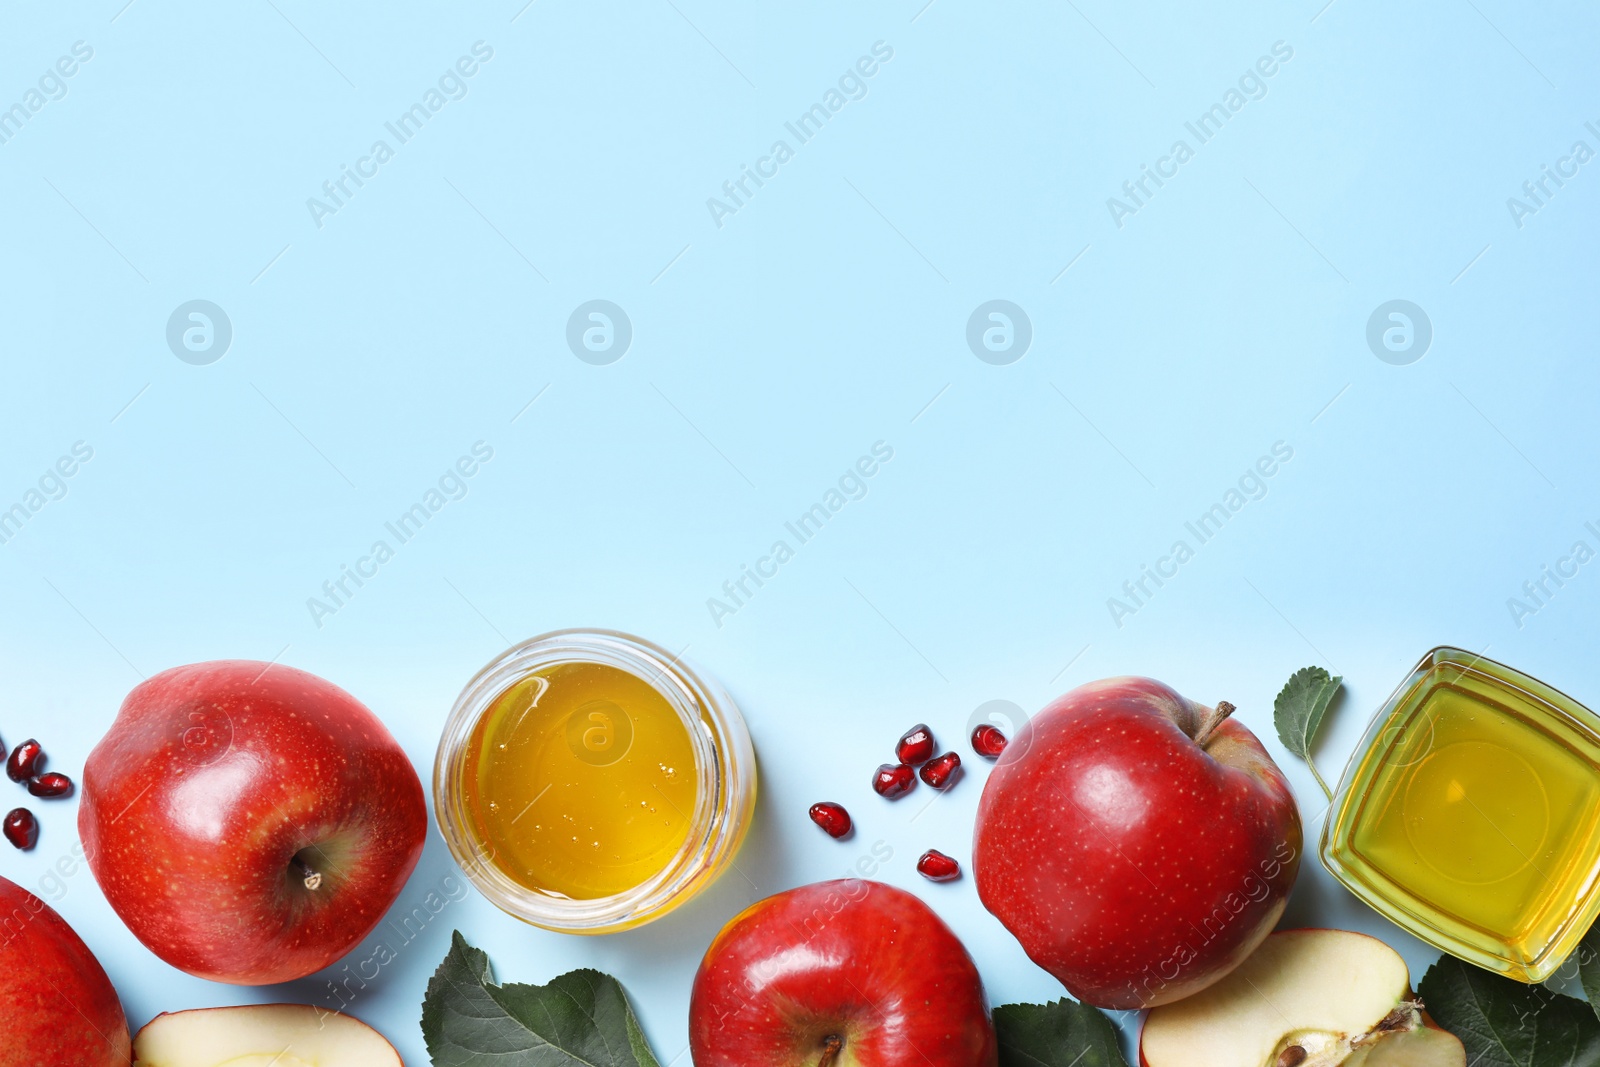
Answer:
[(829, 313)]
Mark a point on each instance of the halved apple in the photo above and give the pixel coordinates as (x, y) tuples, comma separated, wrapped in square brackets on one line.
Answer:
[(259, 1035), (1305, 998)]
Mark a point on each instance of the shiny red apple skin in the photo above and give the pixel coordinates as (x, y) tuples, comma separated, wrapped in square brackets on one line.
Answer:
[(56, 1003), (860, 961), (211, 779), (1133, 864)]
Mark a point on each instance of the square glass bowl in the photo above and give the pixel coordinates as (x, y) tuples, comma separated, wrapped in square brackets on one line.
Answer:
[(1469, 815)]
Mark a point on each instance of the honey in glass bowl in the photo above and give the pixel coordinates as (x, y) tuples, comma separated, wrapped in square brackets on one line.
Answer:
[(1470, 815), (587, 781), (582, 779)]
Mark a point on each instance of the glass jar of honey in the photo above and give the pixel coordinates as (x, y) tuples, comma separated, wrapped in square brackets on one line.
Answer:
[(1469, 815), (588, 781)]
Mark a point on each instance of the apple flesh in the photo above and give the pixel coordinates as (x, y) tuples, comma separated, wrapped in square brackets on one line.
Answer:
[(56, 1003), (1139, 845), (249, 822), (1305, 998), (847, 973), (1421, 1047), (261, 1035)]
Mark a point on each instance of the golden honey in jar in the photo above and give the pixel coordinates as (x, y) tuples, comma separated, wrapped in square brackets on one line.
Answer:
[(587, 781), (1470, 815), (582, 780)]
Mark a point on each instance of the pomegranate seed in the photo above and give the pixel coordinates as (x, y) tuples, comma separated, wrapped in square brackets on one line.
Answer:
[(940, 772), (935, 866), (894, 780), (21, 828), (833, 819), (915, 745), (988, 741), (25, 760), (53, 784)]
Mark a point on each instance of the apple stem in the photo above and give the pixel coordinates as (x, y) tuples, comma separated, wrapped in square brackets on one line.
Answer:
[(1212, 719), (831, 1047), (309, 875)]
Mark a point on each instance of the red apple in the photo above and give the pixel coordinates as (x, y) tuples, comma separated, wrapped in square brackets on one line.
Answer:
[(1138, 844), (56, 1004), (249, 822), (847, 973)]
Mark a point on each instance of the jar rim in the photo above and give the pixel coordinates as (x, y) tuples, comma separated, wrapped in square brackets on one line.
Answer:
[(721, 748)]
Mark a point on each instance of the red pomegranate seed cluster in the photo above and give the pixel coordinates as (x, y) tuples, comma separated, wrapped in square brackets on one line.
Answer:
[(25, 766), (915, 755), (914, 749)]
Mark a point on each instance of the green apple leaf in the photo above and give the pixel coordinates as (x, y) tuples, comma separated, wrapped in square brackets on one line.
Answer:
[(1298, 713), (1063, 1033), (580, 1019), (1504, 1023)]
